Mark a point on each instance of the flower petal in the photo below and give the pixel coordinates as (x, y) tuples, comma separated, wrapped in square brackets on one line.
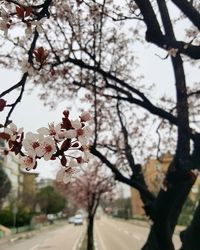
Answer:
[(43, 131), (85, 116), (60, 174), (87, 131), (72, 163), (71, 133), (66, 178), (83, 140), (76, 124), (47, 156), (40, 151), (13, 127)]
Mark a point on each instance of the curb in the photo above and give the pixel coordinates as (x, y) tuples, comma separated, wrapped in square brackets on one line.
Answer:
[(27, 234)]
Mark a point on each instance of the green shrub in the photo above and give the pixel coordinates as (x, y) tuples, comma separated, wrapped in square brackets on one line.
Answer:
[(6, 217), (22, 217)]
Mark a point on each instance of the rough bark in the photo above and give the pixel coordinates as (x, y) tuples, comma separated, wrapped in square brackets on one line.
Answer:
[(190, 237), (167, 209)]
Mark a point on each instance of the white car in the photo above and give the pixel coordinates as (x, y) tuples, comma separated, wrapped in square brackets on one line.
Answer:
[(78, 219), (71, 220)]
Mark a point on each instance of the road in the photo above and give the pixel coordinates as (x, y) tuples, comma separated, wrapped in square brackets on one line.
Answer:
[(113, 234), (110, 234), (65, 237)]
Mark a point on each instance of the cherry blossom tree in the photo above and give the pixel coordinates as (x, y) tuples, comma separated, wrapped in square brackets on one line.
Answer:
[(87, 190), (89, 49)]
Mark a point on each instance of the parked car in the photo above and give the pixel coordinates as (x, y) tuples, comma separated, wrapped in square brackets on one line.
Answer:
[(78, 219), (71, 220), (51, 218)]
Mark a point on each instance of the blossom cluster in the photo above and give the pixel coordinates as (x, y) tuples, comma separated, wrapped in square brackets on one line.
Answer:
[(66, 141), (26, 15), (31, 21)]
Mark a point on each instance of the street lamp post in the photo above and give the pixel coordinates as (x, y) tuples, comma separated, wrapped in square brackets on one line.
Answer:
[(14, 210)]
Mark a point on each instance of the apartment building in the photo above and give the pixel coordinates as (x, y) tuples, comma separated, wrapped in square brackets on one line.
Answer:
[(23, 183), (153, 169)]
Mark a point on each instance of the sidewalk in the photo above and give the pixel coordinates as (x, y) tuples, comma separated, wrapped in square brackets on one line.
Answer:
[(30, 233), (17, 236), (144, 223)]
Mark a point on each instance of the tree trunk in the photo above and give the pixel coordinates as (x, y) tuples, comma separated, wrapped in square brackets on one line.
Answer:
[(168, 207), (90, 238), (190, 237), (153, 243), (160, 233)]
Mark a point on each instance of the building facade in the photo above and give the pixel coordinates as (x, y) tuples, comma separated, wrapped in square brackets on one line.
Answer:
[(23, 183), (153, 171), (12, 169)]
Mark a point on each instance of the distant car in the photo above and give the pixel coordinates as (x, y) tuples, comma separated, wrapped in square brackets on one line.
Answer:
[(71, 220), (78, 219), (51, 218)]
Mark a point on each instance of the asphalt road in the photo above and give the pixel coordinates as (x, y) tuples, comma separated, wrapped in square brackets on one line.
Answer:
[(65, 237), (112, 234)]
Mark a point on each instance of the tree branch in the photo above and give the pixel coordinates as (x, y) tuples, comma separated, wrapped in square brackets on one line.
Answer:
[(122, 178), (188, 9)]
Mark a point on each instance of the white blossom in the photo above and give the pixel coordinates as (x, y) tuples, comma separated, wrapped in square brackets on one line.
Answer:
[(28, 31), (76, 124), (85, 116), (46, 148), (54, 131), (192, 32), (38, 25), (83, 140), (87, 155), (27, 67), (28, 162), (46, 142), (84, 134), (4, 22), (4, 26), (13, 131), (71, 133), (72, 163), (87, 131), (65, 174), (32, 142)]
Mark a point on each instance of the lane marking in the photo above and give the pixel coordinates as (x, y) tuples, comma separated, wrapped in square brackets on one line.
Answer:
[(100, 238), (125, 231), (36, 246), (136, 237), (95, 242), (78, 240)]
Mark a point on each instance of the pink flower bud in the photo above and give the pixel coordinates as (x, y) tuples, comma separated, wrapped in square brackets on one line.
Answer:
[(85, 116), (2, 104)]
